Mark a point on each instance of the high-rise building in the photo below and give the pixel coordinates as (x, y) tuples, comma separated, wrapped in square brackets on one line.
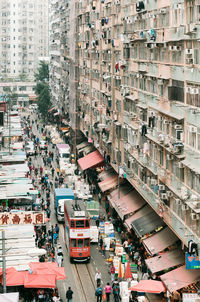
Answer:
[(135, 85), (24, 37)]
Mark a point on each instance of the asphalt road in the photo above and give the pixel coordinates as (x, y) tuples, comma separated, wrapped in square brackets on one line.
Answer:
[(97, 263)]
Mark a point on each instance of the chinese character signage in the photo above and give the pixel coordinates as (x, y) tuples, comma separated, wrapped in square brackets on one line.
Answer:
[(21, 218), (190, 297), (192, 262)]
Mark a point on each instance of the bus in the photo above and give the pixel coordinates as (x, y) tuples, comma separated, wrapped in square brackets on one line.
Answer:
[(77, 231)]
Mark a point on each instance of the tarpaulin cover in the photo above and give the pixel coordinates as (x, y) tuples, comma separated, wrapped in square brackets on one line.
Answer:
[(145, 210), (48, 268), (39, 281), (180, 277), (10, 297), (149, 286), (159, 241), (108, 183), (15, 278), (128, 274), (129, 203), (147, 224), (165, 260), (91, 160)]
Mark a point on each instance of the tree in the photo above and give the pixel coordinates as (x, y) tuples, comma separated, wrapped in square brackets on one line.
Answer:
[(42, 88)]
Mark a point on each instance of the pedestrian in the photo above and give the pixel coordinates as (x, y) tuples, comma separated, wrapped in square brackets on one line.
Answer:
[(101, 243), (108, 292), (59, 256), (57, 171), (99, 293), (55, 237), (52, 171), (69, 295), (116, 291), (112, 272), (57, 228), (97, 222), (98, 278)]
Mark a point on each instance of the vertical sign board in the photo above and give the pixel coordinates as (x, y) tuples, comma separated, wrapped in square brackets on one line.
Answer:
[(1, 118), (192, 262)]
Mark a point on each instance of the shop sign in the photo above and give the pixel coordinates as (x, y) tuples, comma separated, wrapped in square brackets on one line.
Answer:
[(190, 297), (192, 262), (21, 218)]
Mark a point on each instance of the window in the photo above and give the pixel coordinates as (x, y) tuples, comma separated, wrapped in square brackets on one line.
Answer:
[(72, 224), (73, 242), (80, 223), (80, 243), (87, 242), (87, 223)]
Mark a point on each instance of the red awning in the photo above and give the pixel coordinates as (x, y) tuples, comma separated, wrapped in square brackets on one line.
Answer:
[(39, 281), (179, 278), (51, 268), (149, 286), (51, 109), (145, 210), (129, 203), (160, 241), (108, 183), (91, 160), (15, 279), (165, 261)]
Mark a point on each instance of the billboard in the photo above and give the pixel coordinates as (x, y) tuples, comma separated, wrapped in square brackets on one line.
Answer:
[(192, 261)]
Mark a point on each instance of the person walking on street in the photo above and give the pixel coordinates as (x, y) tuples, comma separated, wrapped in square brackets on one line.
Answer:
[(69, 295), (112, 272), (108, 291), (99, 293), (101, 243), (116, 291), (98, 278)]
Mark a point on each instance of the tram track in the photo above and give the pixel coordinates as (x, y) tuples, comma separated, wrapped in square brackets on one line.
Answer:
[(86, 281)]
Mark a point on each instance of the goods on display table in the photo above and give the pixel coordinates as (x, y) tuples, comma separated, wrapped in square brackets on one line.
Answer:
[(94, 234), (93, 208)]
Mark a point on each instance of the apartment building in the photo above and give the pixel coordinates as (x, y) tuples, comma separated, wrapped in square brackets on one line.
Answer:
[(24, 37), (132, 84)]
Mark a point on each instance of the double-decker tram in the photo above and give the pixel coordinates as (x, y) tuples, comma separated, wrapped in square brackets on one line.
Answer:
[(77, 230)]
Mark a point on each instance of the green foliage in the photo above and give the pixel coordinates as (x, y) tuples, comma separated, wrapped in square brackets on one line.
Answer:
[(42, 88)]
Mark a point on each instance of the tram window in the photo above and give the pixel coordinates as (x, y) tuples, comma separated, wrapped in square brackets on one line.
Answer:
[(80, 223), (73, 242), (87, 224), (80, 243), (72, 224), (87, 242)]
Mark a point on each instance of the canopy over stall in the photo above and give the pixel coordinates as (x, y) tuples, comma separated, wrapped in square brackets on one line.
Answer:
[(91, 160), (179, 278), (149, 286), (165, 260)]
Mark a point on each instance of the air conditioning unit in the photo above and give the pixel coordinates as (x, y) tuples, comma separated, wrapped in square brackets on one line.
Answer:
[(165, 122), (133, 115), (178, 201), (179, 48), (169, 157), (163, 196), (178, 127), (161, 187), (180, 165), (194, 216), (187, 89), (171, 48), (184, 207), (160, 81), (162, 11), (169, 193), (193, 129), (189, 51), (175, 48), (196, 91), (194, 197), (153, 181)]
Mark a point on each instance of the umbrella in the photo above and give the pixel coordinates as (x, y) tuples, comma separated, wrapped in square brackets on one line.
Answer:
[(128, 274), (149, 286), (120, 273)]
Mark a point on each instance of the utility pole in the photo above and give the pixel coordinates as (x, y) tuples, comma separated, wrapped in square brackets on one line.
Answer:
[(4, 262)]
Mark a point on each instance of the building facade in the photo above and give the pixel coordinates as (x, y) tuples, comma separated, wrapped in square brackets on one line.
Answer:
[(24, 37), (135, 86)]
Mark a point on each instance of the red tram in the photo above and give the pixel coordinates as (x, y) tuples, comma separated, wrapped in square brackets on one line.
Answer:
[(77, 231)]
